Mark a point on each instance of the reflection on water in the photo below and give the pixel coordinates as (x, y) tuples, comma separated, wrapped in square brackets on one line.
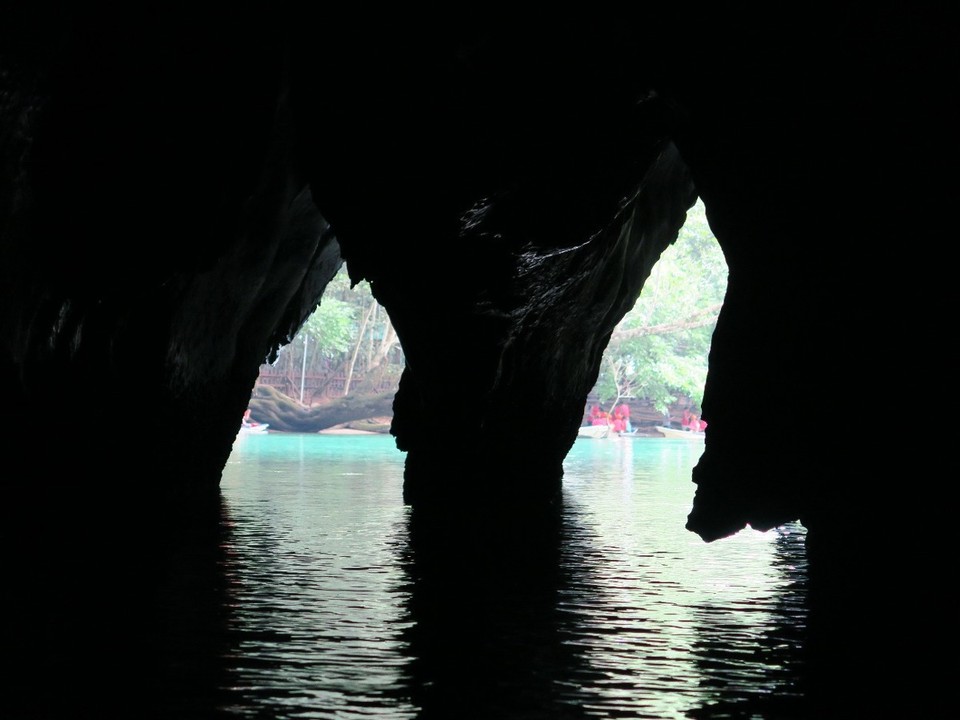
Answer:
[(332, 599), (320, 595), (314, 598)]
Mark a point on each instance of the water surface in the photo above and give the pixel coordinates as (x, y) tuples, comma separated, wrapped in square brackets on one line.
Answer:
[(331, 604)]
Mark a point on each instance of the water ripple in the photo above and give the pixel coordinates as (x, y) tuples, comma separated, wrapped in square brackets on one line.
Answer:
[(331, 610)]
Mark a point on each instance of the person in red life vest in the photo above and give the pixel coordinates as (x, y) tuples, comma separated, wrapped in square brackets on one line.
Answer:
[(602, 418), (625, 413), (685, 423), (596, 415), (618, 424)]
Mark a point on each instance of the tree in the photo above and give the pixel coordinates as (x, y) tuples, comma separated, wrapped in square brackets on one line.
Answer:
[(348, 339), (659, 350), (330, 328), (657, 353)]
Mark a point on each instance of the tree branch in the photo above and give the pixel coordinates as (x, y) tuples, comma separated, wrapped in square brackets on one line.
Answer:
[(698, 319)]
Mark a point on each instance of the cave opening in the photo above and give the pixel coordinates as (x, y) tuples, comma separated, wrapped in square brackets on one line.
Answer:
[(346, 353), (657, 356), (449, 603), (157, 201)]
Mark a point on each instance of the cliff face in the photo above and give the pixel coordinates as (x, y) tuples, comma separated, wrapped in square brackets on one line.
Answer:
[(177, 192)]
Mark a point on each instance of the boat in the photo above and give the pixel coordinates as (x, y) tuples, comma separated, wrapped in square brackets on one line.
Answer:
[(253, 428), (598, 432), (678, 433)]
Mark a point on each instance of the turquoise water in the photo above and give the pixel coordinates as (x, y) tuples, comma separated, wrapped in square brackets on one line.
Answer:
[(330, 611)]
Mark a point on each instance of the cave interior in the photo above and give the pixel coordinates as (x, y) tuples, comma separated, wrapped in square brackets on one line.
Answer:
[(178, 191)]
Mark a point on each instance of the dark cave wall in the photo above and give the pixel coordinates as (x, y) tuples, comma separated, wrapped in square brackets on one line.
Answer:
[(506, 199), (172, 192), (172, 189), (823, 167), (159, 239), (178, 187)]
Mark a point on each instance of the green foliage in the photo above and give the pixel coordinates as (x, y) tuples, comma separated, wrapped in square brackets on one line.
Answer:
[(659, 350), (334, 327), (346, 344), (331, 328)]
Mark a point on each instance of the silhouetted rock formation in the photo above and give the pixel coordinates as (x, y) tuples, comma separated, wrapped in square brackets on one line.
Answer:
[(178, 188)]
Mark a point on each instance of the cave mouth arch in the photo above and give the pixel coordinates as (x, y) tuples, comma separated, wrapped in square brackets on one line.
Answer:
[(339, 370), (658, 353), (344, 347)]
